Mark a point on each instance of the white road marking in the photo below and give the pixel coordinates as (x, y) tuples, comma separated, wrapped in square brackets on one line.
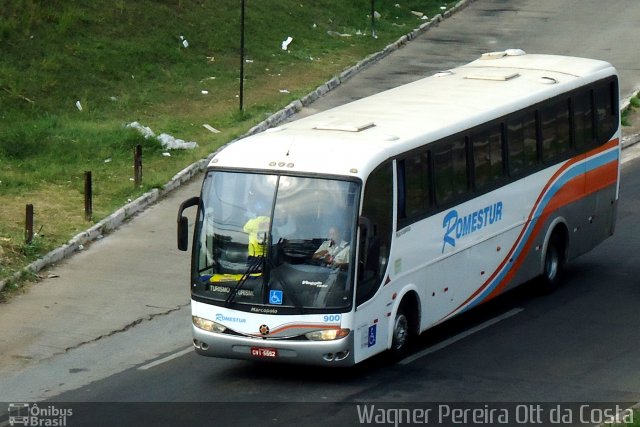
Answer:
[(460, 336), (165, 359)]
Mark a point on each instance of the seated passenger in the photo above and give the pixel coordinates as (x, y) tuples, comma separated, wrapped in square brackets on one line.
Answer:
[(258, 230)]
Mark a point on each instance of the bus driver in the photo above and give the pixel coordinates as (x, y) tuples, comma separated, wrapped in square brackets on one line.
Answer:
[(333, 252)]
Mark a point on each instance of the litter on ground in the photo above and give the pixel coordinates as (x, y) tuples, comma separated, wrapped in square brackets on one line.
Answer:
[(285, 44), (168, 142), (210, 128)]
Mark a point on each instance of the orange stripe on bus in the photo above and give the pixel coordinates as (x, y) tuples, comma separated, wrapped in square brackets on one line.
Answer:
[(572, 191)]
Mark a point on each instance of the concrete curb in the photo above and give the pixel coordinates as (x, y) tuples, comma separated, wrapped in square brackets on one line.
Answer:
[(629, 141)]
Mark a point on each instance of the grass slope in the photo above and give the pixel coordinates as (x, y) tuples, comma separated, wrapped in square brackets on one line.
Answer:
[(125, 61)]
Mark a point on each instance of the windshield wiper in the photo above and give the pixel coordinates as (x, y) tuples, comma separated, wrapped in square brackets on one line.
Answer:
[(205, 268), (252, 269)]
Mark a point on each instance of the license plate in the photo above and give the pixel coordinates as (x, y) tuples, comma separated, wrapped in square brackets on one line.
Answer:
[(269, 353)]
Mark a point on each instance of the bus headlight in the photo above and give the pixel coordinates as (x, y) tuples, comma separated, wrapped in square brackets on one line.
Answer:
[(327, 334), (207, 325)]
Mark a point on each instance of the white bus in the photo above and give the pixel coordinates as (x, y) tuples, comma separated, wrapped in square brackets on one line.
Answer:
[(347, 233)]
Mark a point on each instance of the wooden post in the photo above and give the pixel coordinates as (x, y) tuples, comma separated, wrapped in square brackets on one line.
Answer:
[(137, 166), (88, 196), (28, 227)]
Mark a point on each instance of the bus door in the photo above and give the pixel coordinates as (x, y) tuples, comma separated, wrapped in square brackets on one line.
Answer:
[(376, 223)]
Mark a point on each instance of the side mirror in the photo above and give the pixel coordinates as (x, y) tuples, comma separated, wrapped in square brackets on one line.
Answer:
[(183, 223)]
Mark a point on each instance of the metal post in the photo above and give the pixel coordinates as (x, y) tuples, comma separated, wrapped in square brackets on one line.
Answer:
[(88, 196), (242, 56), (28, 227), (137, 166)]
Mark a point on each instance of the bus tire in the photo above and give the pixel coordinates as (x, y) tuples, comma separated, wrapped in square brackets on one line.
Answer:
[(554, 262), (402, 331)]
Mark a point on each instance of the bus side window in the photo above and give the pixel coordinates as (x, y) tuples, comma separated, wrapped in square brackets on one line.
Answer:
[(606, 105), (375, 243), (522, 142), (450, 166), (556, 134), (487, 156), (583, 121), (413, 183)]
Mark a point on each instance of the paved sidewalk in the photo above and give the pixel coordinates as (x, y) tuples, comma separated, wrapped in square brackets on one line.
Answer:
[(102, 290)]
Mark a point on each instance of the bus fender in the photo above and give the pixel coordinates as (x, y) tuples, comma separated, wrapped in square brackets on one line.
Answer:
[(409, 293), (559, 224)]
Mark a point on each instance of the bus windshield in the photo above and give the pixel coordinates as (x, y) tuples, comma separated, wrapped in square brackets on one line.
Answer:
[(275, 240)]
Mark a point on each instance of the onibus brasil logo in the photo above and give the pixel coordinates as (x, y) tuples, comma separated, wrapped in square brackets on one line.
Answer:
[(27, 414)]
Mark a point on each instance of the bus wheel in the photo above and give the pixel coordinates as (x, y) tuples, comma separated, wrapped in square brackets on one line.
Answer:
[(401, 334), (553, 264)]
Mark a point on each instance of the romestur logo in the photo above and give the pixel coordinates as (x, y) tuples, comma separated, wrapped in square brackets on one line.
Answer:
[(457, 226)]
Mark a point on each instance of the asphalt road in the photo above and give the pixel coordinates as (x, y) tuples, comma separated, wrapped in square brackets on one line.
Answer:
[(576, 345)]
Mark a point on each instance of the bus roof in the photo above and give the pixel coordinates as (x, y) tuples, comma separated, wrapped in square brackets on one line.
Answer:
[(352, 139)]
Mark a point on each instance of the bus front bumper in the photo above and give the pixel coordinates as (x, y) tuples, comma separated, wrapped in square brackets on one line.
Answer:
[(325, 353)]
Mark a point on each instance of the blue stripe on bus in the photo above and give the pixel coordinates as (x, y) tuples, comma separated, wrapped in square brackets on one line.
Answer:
[(574, 171)]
